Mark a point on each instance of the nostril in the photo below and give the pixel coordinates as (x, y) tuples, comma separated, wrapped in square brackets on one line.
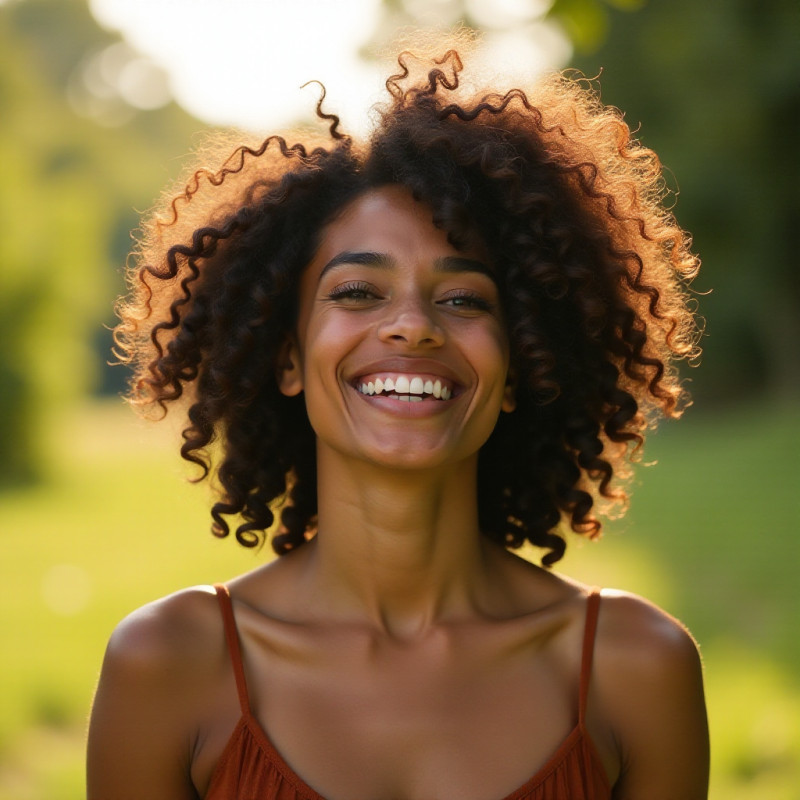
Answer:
[(411, 328)]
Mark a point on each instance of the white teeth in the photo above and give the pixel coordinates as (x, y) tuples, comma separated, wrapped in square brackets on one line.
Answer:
[(402, 385), (414, 398), (404, 397)]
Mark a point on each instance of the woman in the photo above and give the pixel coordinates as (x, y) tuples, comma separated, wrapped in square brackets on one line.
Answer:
[(409, 357)]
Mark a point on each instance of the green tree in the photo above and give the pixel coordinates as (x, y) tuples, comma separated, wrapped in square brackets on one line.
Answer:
[(587, 22), (716, 88), (52, 275), (67, 203)]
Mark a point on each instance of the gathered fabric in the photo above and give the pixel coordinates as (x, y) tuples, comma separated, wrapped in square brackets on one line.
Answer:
[(251, 768)]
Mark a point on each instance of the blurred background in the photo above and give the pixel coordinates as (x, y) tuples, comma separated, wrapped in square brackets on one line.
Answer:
[(99, 104)]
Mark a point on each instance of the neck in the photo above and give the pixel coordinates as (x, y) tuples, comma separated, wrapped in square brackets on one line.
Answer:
[(399, 549)]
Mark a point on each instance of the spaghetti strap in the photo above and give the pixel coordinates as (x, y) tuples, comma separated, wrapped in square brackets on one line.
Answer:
[(590, 628), (234, 648)]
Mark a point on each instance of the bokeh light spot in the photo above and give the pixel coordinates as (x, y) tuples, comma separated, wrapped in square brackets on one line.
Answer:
[(66, 589)]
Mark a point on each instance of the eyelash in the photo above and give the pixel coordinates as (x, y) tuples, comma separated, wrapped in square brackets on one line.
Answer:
[(358, 290), (347, 291), (471, 301)]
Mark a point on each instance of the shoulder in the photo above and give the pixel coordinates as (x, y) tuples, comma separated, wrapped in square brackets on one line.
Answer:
[(168, 622), (647, 688), (159, 674), (633, 635), (161, 637), (644, 658)]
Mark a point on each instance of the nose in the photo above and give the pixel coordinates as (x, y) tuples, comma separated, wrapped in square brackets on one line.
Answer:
[(412, 323)]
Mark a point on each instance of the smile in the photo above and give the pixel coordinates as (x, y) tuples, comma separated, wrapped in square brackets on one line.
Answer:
[(408, 388)]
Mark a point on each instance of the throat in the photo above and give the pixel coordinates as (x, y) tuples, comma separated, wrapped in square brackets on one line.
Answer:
[(401, 587), (401, 547)]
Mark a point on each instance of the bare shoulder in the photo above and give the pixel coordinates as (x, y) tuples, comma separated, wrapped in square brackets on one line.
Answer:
[(648, 687), (170, 629), (646, 661), (633, 633), (160, 667), (165, 653)]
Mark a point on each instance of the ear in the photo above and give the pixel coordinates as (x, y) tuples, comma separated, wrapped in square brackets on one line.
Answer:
[(510, 392), (288, 371)]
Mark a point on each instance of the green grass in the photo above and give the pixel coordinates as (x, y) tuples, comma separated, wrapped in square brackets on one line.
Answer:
[(711, 536), (719, 514)]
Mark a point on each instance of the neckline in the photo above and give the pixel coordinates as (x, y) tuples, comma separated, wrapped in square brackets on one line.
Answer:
[(248, 723)]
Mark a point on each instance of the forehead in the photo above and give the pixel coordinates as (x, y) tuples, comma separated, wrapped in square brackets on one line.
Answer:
[(384, 220)]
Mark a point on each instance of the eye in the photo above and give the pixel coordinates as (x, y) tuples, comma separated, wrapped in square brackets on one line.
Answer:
[(467, 300), (352, 292)]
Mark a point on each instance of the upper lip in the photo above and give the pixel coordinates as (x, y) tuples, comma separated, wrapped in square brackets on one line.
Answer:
[(407, 366)]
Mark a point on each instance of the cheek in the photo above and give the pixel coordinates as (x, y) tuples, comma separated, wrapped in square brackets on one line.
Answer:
[(494, 350), (328, 339), (497, 364)]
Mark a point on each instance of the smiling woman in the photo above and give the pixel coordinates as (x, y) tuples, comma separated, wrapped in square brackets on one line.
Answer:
[(388, 301), (418, 353)]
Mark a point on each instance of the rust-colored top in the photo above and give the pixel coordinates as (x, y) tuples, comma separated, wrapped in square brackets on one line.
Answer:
[(250, 768)]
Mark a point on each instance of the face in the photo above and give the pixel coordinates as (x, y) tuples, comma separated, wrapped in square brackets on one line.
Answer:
[(400, 348)]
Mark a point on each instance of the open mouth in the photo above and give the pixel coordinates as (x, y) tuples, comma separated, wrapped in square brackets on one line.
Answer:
[(407, 388)]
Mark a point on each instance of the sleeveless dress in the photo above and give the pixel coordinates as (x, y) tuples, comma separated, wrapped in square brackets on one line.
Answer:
[(251, 768)]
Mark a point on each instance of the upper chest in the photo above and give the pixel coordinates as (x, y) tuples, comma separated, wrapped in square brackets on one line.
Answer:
[(467, 712)]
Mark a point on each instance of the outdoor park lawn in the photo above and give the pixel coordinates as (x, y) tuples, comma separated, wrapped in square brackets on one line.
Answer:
[(712, 536)]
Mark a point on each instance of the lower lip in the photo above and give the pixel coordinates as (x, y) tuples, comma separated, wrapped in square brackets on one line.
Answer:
[(405, 408)]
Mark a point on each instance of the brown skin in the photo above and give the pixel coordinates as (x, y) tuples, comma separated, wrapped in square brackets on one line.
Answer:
[(399, 654)]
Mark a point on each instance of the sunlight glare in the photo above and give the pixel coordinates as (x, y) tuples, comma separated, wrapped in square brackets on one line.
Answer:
[(242, 62), (500, 14)]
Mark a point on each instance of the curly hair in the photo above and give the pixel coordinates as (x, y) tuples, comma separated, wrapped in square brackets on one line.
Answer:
[(593, 279)]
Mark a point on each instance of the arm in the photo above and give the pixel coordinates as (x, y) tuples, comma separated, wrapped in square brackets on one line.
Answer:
[(143, 721), (651, 687)]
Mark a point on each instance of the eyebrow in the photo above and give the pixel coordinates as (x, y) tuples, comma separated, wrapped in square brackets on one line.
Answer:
[(382, 261)]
